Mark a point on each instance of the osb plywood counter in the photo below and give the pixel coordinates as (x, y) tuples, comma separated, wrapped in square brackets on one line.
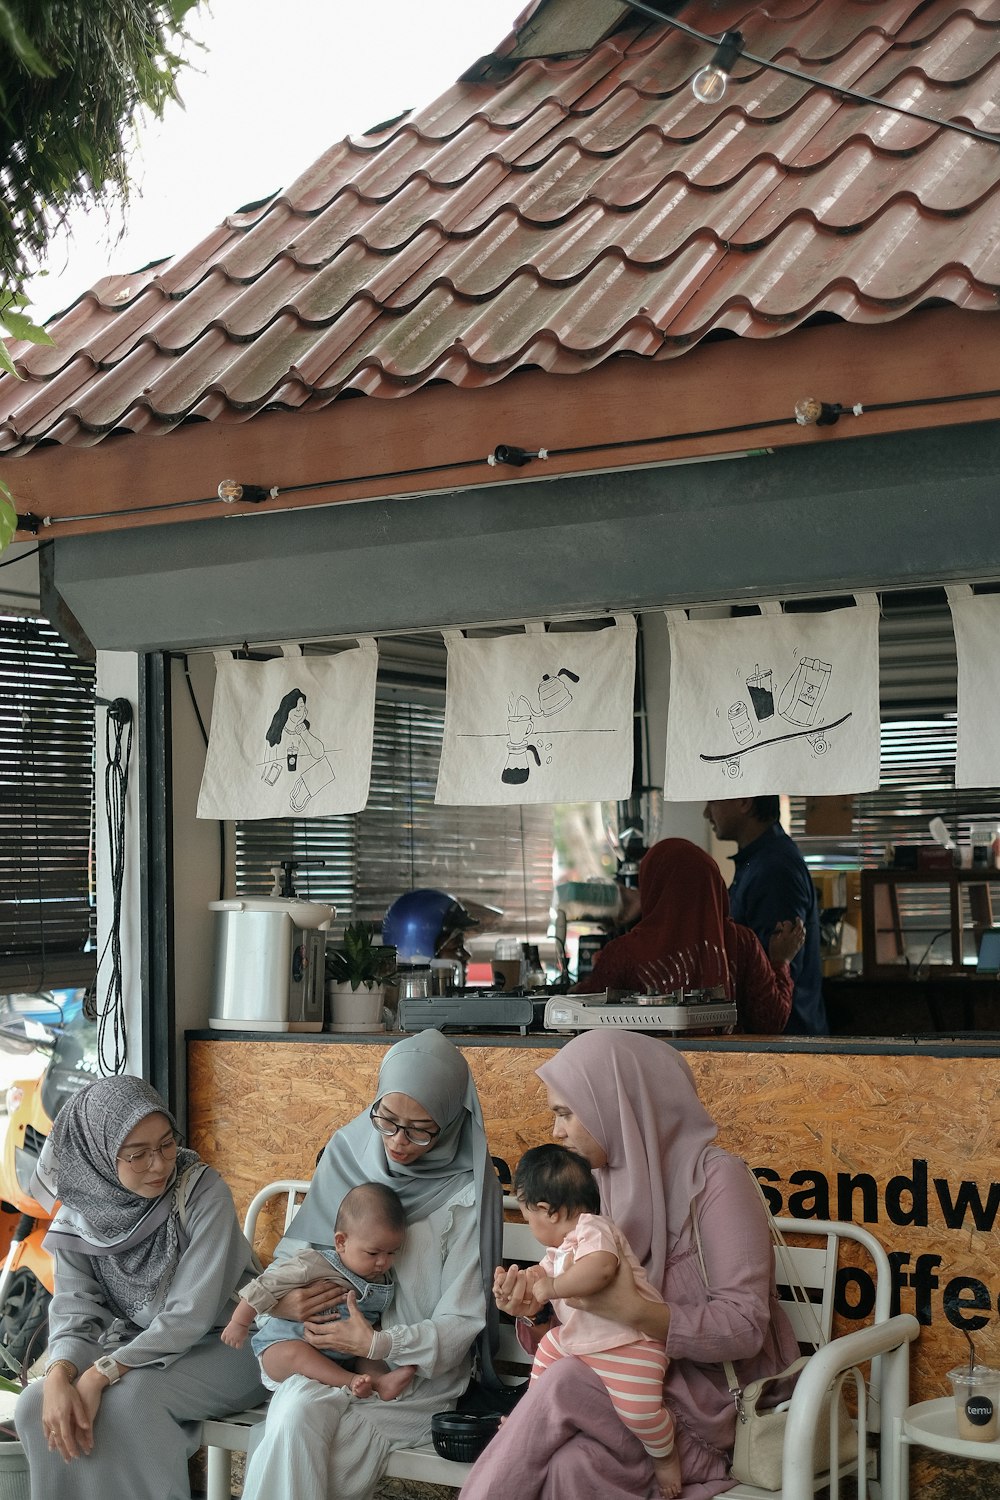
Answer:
[(901, 1137)]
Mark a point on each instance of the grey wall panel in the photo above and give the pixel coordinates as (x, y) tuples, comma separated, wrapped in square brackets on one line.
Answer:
[(869, 513)]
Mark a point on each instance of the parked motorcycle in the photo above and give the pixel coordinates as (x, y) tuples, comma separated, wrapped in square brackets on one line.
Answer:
[(26, 1276)]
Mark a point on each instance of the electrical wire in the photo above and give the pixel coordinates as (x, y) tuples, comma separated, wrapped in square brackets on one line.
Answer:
[(204, 736), (22, 556), (118, 745), (854, 96), (736, 429)]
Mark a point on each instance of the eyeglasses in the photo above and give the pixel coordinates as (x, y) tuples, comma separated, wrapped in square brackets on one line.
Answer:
[(388, 1128), (140, 1160)]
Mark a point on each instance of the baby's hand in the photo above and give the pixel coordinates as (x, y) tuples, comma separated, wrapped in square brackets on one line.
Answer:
[(541, 1286), (234, 1334)]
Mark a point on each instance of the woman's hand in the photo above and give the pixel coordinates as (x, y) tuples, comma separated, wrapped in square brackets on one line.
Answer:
[(622, 1302), (307, 1304), (786, 940), (352, 1335), (68, 1413), (514, 1290)]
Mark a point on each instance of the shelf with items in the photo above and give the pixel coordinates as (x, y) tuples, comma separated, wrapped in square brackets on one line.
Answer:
[(906, 913)]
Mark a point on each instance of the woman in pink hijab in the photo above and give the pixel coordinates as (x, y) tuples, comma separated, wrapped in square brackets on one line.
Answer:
[(628, 1103)]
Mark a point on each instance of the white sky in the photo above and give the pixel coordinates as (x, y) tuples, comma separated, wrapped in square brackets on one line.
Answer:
[(280, 80)]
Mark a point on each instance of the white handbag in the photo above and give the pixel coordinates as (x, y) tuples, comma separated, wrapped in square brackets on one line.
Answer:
[(760, 1429)]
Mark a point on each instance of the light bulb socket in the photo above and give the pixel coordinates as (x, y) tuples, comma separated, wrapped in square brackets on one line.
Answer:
[(516, 458)]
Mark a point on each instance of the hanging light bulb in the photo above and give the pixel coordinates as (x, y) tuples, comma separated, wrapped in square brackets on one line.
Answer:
[(709, 83)]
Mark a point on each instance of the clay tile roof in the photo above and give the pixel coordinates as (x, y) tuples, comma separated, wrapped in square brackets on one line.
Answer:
[(559, 210)]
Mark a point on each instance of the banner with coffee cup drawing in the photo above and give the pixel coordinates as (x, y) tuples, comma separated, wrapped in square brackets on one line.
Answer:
[(773, 703), (291, 737), (541, 717), (976, 620)]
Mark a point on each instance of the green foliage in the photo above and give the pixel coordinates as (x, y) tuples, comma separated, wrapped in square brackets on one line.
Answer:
[(15, 324), (73, 74), (357, 961)]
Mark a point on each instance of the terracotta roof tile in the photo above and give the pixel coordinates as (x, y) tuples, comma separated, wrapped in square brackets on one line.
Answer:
[(560, 214)]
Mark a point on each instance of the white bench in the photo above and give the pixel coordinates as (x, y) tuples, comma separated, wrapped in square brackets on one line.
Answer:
[(883, 1347)]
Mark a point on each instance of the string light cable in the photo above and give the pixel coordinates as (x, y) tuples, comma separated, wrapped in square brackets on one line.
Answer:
[(854, 96)]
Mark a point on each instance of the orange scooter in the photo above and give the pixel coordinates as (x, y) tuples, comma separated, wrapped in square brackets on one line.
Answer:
[(26, 1277)]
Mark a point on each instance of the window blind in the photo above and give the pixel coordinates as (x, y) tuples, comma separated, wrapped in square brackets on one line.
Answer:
[(495, 856), (47, 912)]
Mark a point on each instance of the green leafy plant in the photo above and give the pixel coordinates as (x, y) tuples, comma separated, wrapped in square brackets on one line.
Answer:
[(356, 960), (74, 77)]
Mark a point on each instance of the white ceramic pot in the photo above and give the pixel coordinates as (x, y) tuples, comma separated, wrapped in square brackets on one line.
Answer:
[(354, 1010)]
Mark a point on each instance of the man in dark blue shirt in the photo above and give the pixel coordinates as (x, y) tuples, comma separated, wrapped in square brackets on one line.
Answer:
[(771, 885)]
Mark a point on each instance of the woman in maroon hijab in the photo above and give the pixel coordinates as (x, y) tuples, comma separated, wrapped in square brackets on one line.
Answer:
[(687, 939), (628, 1103)]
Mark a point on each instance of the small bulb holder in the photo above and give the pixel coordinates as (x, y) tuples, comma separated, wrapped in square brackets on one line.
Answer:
[(709, 84), (506, 453), (230, 491)]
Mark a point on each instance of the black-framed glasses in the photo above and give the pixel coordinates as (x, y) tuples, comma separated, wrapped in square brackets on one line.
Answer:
[(388, 1128), (141, 1159)]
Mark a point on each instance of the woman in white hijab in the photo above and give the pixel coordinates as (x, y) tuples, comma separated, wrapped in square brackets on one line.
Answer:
[(424, 1138), (149, 1259)]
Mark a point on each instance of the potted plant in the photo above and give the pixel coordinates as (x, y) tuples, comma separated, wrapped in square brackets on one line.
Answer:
[(355, 969)]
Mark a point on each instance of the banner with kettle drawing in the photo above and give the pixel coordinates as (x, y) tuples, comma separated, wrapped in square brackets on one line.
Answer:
[(773, 703), (292, 737), (541, 717), (976, 619)]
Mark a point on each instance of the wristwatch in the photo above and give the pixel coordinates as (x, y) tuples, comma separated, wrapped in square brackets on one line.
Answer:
[(108, 1367)]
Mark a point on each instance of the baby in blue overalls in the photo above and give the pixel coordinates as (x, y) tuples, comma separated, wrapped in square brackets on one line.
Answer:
[(368, 1234)]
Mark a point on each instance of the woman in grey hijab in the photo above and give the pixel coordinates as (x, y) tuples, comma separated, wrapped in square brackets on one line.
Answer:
[(424, 1138), (149, 1258)]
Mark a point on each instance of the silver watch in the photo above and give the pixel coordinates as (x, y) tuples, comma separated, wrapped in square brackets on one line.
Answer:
[(108, 1367)]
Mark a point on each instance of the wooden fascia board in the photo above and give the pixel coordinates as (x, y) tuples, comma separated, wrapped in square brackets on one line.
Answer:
[(723, 397)]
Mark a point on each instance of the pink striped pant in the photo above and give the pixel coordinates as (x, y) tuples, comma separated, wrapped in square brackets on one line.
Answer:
[(633, 1375)]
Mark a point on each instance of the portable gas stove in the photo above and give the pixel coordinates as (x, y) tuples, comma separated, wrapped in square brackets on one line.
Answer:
[(476, 1010), (675, 1014)]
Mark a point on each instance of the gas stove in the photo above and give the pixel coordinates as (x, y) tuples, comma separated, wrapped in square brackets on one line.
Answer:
[(679, 1013), (475, 1010)]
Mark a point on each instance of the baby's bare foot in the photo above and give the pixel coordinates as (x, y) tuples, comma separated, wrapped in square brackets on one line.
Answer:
[(387, 1387), (362, 1386), (668, 1475)]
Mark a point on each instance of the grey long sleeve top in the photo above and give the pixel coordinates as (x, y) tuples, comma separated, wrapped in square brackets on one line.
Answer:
[(214, 1263)]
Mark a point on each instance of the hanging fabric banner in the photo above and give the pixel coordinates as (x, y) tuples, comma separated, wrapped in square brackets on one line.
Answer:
[(773, 703), (292, 737), (976, 619), (539, 717)]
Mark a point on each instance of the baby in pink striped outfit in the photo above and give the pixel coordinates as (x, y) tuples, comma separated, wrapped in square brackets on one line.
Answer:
[(560, 1202)]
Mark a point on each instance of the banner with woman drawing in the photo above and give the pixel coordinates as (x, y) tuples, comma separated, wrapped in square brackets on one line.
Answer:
[(773, 703), (291, 737), (541, 717)]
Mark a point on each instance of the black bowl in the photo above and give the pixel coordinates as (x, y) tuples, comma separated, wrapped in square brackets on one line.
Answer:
[(462, 1436)]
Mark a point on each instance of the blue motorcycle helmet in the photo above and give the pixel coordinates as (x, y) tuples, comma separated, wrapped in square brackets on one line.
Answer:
[(419, 923)]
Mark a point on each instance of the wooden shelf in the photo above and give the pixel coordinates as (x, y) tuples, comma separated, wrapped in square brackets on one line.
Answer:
[(883, 939)]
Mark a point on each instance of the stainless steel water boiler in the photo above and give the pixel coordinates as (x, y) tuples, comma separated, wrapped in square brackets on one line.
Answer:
[(270, 964)]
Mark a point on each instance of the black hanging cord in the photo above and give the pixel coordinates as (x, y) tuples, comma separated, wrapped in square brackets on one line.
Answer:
[(204, 735), (118, 744)]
